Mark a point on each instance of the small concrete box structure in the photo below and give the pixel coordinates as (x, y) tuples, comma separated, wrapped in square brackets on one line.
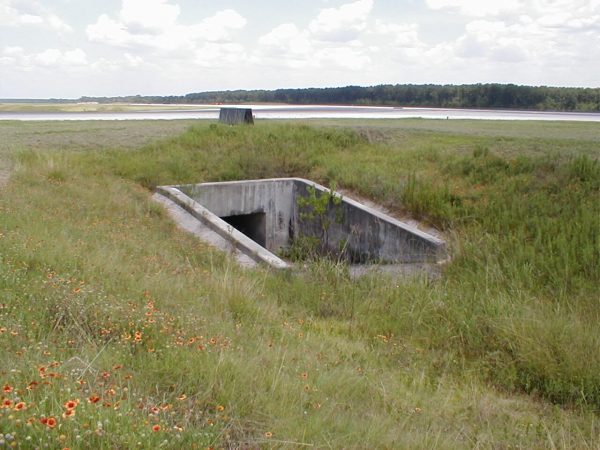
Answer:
[(263, 217), (236, 116)]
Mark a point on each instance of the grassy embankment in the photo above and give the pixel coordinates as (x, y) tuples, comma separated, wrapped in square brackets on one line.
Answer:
[(104, 302)]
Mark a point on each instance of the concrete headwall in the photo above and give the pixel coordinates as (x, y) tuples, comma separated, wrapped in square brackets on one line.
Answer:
[(363, 233), (274, 198)]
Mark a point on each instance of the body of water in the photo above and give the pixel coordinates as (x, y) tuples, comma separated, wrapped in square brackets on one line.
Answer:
[(310, 112)]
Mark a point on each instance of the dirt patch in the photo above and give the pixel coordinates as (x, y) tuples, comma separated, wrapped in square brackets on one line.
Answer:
[(5, 171)]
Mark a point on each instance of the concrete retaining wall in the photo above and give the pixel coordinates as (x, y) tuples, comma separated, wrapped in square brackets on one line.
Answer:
[(364, 234)]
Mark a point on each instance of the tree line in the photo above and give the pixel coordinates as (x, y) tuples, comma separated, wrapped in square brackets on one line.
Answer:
[(500, 96)]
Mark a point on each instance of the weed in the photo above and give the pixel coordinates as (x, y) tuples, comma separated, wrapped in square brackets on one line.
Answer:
[(162, 342)]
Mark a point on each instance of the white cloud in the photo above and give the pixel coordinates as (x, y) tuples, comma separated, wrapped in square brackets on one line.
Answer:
[(157, 29), (343, 57), (550, 13), (341, 24), (286, 39), (51, 58), (332, 40), (218, 27), (12, 17), (476, 7), (159, 45), (495, 41), (149, 14), (214, 54), (133, 61), (402, 35), (111, 32), (29, 13)]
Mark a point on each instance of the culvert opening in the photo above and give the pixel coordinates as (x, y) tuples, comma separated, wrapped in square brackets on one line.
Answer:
[(360, 233), (252, 225)]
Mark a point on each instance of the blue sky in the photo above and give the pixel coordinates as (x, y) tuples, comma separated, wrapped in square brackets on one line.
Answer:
[(70, 48)]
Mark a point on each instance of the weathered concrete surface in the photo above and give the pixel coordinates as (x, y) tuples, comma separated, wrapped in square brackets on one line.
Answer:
[(219, 226), (189, 223), (273, 197), (236, 116), (366, 235)]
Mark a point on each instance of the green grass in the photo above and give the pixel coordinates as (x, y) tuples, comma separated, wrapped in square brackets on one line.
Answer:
[(500, 352)]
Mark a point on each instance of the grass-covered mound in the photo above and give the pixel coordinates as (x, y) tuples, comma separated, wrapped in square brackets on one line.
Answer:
[(159, 340)]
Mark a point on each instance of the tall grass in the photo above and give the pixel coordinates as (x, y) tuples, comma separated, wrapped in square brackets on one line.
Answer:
[(95, 276)]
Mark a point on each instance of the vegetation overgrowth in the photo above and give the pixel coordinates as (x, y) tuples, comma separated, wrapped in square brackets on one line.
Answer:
[(119, 331), (490, 95)]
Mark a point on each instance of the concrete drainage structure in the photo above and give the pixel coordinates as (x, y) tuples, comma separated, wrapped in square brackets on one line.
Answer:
[(264, 217)]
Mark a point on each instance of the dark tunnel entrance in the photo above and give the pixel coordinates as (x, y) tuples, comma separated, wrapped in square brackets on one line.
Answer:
[(252, 225)]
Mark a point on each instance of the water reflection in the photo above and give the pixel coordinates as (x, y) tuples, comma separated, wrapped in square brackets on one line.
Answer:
[(311, 112)]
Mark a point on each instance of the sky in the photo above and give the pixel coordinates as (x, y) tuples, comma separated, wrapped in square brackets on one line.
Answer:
[(73, 48)]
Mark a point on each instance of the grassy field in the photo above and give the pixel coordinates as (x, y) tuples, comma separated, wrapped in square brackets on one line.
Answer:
[(119, 331)]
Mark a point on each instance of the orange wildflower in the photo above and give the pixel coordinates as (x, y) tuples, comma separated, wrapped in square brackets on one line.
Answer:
[(19, 406), (50, 422), (71, 404), (94, 399), (6, 403), (268, 434), (7, 388), (155, 428), (68, 413)]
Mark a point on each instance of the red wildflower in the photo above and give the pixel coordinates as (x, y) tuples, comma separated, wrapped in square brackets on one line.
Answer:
[(19, 406), (50, 422), (71, 404)]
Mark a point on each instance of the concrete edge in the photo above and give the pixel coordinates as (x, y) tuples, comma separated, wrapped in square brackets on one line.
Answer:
[(439, 244), (219, 226)]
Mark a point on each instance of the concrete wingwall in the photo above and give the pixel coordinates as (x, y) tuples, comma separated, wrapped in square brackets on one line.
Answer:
[(364, 234), (361, 234)]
